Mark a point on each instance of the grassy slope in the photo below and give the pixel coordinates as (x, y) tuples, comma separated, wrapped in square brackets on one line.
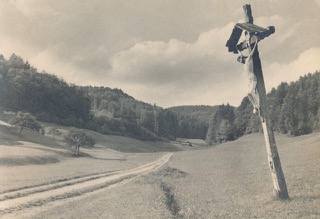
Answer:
[(230, 180), (28, 148), (233, 180), (31, 158), (123, 144), (54, 146)]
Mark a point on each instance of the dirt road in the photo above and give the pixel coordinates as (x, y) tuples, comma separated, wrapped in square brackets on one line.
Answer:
[(16, 200)]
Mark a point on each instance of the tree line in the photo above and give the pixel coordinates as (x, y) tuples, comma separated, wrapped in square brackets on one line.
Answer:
[(294, 109)]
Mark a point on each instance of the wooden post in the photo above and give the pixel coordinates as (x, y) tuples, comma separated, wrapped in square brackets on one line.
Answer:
[(279, 182)]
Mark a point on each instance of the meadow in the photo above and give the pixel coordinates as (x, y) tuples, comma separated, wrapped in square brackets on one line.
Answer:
[(229, 180)]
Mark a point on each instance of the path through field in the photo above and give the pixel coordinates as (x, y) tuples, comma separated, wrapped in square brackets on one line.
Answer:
[(12, 201)]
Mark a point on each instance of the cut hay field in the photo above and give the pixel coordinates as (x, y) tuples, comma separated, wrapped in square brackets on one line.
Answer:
[(230, 180)]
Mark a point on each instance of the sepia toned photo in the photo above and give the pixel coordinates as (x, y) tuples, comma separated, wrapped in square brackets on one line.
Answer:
[(159, 109)]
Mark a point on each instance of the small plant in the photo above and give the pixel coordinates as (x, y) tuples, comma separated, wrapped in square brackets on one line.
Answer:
[(76, 138), (25, 120)]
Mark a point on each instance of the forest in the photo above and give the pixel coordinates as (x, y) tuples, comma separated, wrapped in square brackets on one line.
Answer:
[(105, 110), (294, 108)]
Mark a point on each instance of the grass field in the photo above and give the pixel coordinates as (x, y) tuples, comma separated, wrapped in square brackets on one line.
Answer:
[(230, 180)]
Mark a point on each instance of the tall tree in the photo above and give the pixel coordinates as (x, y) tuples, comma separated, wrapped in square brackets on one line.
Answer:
[(222, 126)]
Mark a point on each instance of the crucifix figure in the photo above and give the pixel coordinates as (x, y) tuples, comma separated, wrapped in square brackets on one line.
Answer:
[(253, 94), (256, 89)]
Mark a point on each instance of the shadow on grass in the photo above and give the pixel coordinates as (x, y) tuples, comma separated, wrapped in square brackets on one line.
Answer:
[(14, 161)]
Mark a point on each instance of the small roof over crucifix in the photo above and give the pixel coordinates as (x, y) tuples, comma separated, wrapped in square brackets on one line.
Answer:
[(251, 29)]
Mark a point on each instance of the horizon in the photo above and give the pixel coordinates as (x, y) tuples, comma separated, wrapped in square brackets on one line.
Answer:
[(165, 52)]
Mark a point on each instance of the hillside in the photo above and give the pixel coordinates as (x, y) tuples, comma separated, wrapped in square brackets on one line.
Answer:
[(108, 111), (9, 136)]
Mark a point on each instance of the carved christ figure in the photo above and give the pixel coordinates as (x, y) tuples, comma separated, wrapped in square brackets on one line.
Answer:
[(248, 69)]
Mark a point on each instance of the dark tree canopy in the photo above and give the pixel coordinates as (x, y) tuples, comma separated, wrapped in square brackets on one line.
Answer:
[(193, 121), (222, 126), (44, 95), (25, 120), (294, 108)]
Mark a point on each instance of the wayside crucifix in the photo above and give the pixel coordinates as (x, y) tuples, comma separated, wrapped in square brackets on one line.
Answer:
[(257, 92)]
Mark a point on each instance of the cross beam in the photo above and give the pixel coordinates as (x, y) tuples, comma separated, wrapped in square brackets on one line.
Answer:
[(258, 96)]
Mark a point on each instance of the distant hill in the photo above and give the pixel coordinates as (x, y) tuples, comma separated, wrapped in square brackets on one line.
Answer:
[(199, 111), (193, 121)]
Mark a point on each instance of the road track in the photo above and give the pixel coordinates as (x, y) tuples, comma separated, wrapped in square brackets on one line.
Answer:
[(19, 199)]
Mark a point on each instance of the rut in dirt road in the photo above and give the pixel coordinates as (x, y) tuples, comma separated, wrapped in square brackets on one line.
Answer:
[(20, 199)]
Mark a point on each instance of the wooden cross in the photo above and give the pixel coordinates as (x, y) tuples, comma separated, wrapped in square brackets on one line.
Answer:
[(257, 94)]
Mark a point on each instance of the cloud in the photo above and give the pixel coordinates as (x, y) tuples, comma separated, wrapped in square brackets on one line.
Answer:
[(157, 51), (163, 61), (284, 33), (306, 62), (176, 72)]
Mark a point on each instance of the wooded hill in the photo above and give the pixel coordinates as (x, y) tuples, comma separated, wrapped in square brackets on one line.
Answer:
[(193, 121), (108, 111), (294, 108)]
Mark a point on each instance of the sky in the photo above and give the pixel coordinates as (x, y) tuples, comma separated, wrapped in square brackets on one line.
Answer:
[(164, 52)]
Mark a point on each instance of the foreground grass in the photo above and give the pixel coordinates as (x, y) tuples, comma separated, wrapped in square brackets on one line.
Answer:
[(233, 180), (230, 180)]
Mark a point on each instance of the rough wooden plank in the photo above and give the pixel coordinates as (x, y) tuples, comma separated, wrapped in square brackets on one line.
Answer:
[(234, 39), (251, 28), (256, 30), (274, 163), (247, 14)]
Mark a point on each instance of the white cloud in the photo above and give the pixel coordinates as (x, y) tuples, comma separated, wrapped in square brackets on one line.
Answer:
[(284, 30), (143, 57), (177, 71), (307, 62)]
